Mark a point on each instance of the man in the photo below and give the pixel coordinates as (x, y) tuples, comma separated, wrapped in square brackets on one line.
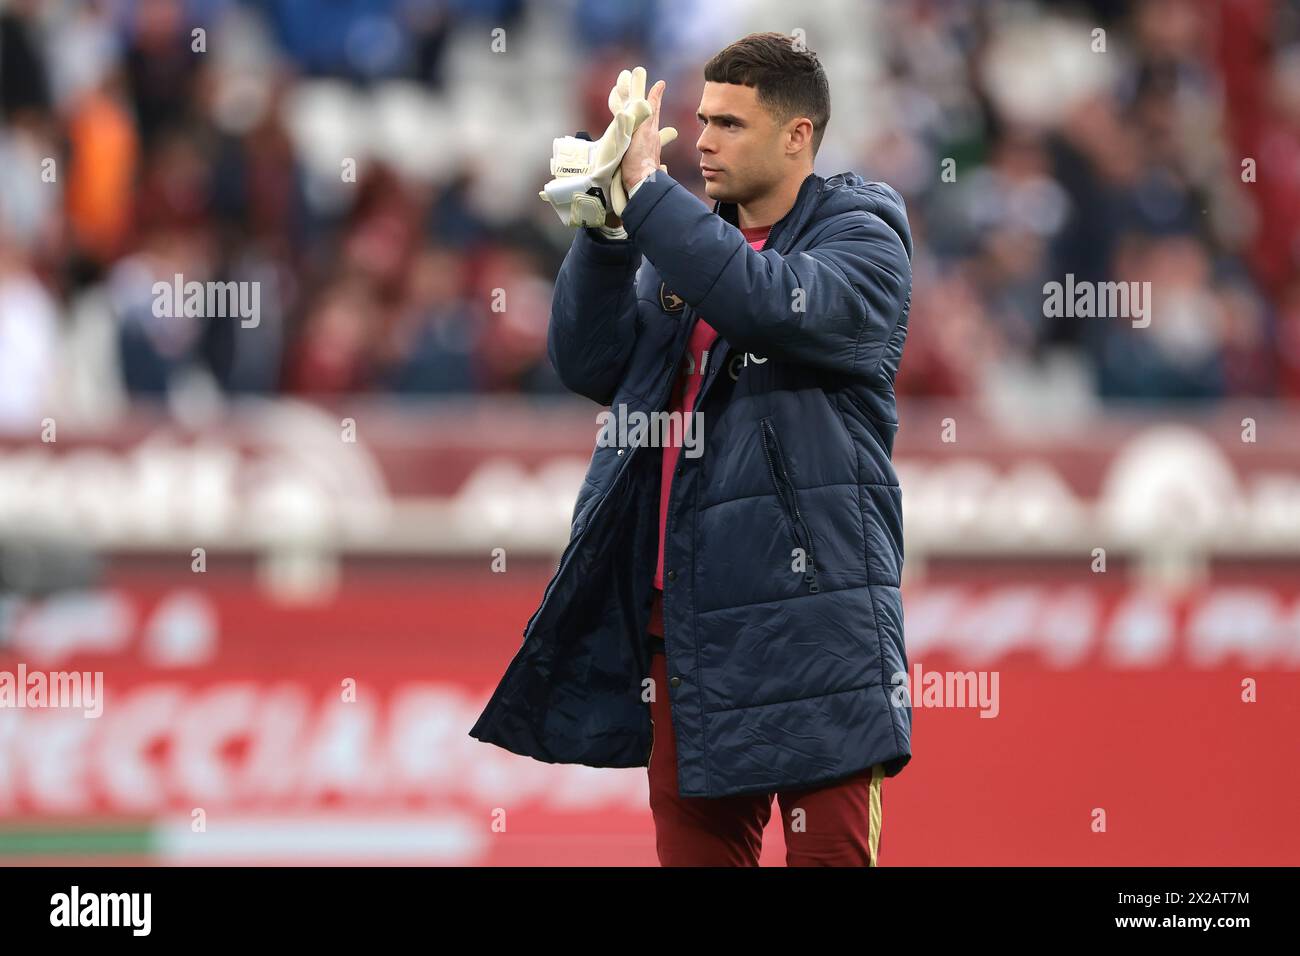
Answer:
[(753, 577)]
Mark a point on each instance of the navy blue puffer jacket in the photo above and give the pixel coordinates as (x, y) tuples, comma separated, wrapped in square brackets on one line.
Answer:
[(783, 618)]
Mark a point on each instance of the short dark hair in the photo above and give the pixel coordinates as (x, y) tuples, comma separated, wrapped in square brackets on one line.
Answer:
[(789, 78)]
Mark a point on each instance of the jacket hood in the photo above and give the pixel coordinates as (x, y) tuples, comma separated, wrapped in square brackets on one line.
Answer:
[(845, 192)]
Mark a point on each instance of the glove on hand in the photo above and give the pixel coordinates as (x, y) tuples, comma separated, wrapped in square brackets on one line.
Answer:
[(629, 87), (584, 171), (588, 183)]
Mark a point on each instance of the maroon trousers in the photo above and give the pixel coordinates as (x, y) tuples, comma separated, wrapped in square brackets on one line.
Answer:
[(835, 824)]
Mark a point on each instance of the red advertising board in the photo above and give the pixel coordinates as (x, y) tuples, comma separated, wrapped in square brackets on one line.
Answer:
[(238, 728)]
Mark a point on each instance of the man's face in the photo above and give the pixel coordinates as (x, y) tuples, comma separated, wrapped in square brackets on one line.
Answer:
[(741, 141)]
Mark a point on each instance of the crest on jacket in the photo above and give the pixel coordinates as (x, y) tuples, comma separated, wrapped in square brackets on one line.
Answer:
[(670, 302)]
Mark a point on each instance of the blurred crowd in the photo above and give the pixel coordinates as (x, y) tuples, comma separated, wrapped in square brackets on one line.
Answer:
[(373, 166)]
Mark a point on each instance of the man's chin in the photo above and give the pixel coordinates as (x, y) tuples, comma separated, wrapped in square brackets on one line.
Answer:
[(716, 191)]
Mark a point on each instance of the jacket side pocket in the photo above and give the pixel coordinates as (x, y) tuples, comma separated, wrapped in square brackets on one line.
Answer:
[(784, 486)]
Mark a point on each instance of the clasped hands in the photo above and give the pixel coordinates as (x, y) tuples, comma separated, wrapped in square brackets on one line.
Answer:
[(593, 179)]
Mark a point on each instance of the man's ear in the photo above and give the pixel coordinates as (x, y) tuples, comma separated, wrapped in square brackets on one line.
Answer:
[(800, 136)]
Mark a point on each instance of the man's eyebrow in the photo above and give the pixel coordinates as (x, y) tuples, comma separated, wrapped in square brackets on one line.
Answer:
[(727, 117)]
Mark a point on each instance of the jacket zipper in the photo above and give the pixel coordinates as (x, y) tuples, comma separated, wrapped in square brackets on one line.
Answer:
[(703, 373), (592, 519), (651, 754), (792, 507)]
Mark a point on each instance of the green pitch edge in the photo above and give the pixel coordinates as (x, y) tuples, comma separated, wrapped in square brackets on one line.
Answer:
[(29, 842)]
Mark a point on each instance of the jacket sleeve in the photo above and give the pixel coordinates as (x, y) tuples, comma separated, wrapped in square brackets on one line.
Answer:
[(593, 315), (835, 306)]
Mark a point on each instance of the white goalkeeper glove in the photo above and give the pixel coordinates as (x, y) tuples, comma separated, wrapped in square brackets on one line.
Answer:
[(588, 183), (584, 171), (630, 87)]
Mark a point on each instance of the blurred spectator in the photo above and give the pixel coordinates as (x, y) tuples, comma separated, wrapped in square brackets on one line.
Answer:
[(155, 349), (161, 65), (435, 346), (517, 300), (24, 79), (103, 153), (333, 354), (1181, 353), (28, 344)]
